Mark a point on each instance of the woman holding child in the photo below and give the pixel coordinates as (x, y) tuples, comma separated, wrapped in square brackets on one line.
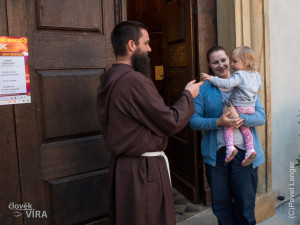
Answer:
[(231, 171)]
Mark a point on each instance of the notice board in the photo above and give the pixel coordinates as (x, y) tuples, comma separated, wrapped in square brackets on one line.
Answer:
[(14, 71)]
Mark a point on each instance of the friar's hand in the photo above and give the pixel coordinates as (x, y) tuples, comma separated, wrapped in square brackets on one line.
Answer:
[(193, 87)]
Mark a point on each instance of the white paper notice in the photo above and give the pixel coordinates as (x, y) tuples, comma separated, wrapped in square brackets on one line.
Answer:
[(12, 75), (14, 71)]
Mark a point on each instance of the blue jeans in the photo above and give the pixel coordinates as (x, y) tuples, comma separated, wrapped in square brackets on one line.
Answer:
[(233, 189)]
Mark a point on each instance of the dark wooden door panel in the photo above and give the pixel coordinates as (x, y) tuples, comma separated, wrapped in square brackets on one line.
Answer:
[(54, 50), (78, 198), (177, 56), (72, 94), (70, 14), (175, 20), (177, 78), (180, 63), (62, 157)]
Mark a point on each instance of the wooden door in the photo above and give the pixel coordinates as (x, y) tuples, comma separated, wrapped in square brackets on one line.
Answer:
[(189, 31), (180, 66), (9, 171), (55, 141), (150, 13), (181, 31)]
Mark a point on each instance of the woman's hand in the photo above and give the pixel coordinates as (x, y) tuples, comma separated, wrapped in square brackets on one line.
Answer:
[(225, 121), (234, 114)]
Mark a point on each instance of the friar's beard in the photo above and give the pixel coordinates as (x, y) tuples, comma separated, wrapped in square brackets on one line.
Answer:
[(141, 62)]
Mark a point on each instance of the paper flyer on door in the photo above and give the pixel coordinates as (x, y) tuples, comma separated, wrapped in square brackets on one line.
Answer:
[(14, 71)]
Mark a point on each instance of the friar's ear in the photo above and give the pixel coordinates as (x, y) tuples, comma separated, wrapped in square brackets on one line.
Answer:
[(131, 45)]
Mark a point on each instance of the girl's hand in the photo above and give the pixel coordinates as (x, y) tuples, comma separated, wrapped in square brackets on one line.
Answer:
[(204, 76)]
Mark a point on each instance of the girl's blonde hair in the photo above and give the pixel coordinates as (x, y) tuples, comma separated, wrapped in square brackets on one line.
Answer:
[(247, 56)]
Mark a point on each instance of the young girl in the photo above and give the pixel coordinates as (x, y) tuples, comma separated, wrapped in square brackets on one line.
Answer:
[(245, 82)]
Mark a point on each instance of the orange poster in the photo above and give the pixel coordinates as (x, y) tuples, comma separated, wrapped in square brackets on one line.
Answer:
[(14, 71)]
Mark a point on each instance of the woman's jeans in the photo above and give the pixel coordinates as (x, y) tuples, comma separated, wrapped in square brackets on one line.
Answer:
[(233, 188)]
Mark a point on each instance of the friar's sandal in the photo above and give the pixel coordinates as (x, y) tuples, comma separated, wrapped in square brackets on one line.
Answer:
[(249, 157), (230, 153)]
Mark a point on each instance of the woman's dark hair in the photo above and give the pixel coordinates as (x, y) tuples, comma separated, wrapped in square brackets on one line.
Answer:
[(214, 49), (123, 32)]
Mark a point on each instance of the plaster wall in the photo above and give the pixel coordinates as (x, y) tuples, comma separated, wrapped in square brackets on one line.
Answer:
[(284, 27)]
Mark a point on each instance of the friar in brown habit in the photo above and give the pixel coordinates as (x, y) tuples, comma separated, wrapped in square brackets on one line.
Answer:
[(136, 124)]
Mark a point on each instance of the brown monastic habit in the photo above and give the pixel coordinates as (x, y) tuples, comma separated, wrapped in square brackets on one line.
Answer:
[(135, 120)]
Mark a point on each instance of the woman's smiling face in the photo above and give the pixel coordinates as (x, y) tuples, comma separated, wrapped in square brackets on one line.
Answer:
[(219, 64)]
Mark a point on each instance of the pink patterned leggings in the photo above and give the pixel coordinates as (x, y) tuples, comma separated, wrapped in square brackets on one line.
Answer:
[(246, 131)]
